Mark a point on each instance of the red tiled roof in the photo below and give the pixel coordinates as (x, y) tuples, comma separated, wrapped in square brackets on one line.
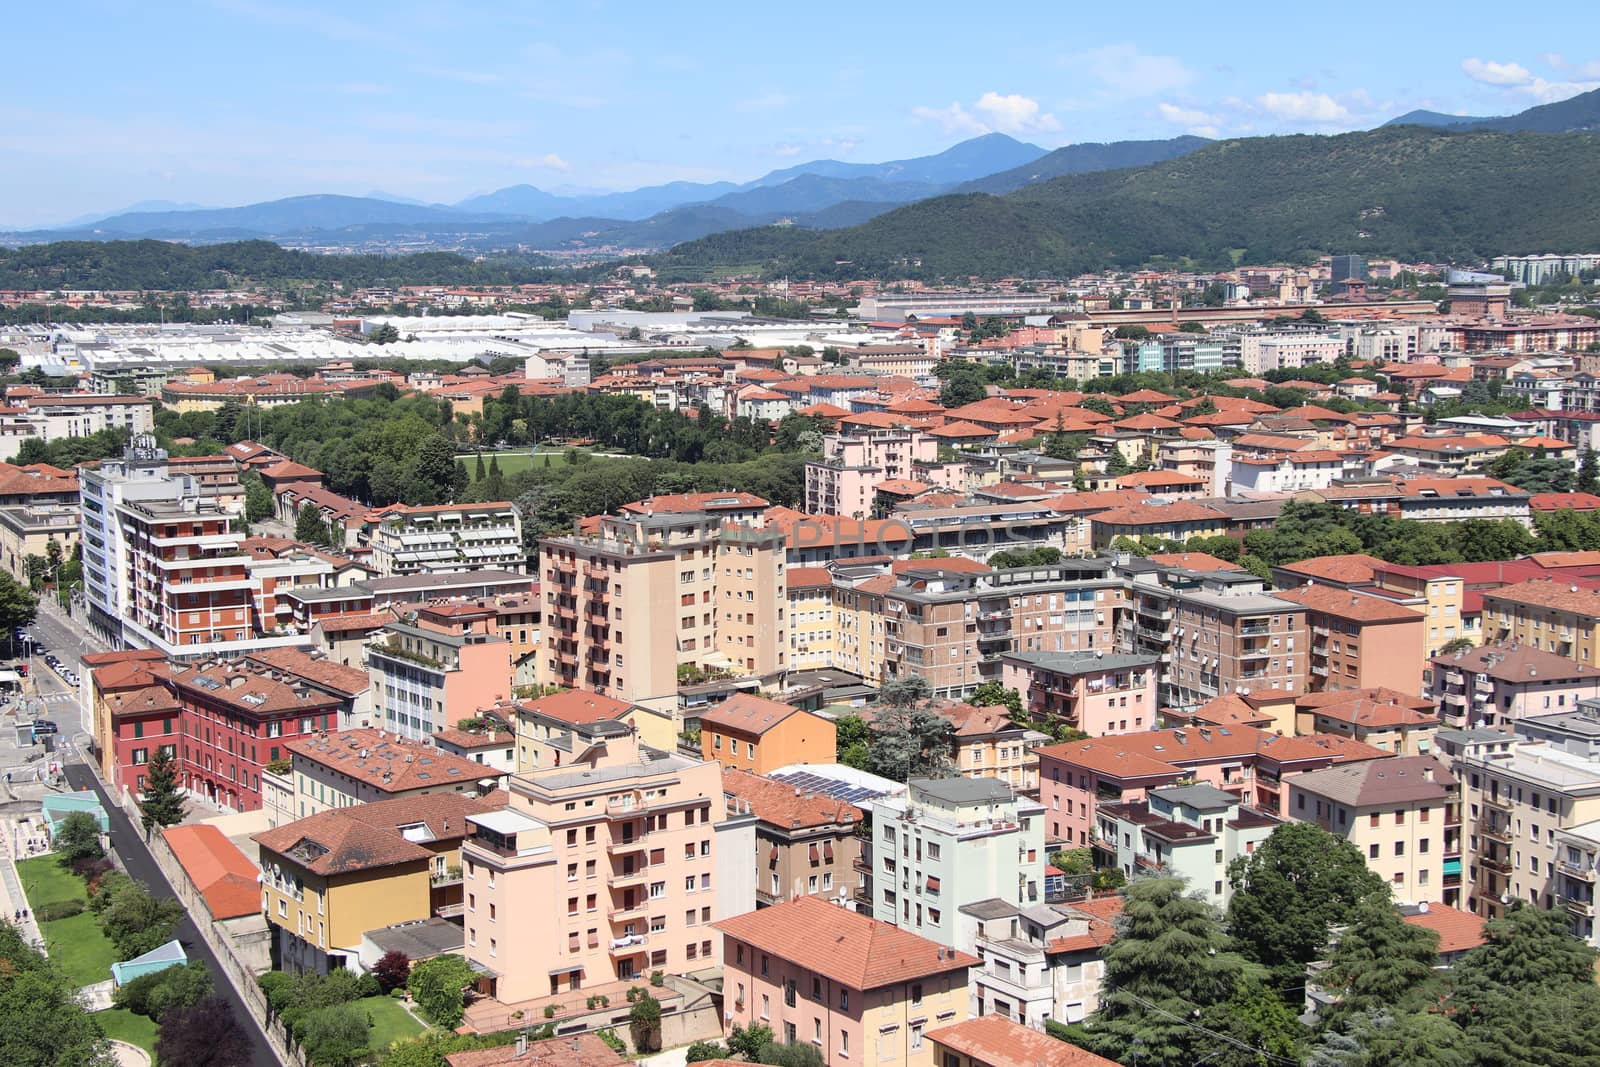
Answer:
[(995, 1041), (1193, 561), (317, 671), (1159, 514), (1557, 501), (368, 836), (1458, 930), (222, 874), (785, 806), (1355, 567), (575, 1050), (836, 942), (579, 706), (748, 714), (1345, 604), (389, 763)]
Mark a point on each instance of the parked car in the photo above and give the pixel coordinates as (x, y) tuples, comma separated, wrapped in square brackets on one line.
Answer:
[(45, 726)]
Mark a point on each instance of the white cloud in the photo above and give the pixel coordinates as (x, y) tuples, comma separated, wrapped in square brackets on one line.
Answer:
[(1304, 107), (549, 161), (1195, 121), (1490, 72), (1127, 72), (1010, 113)]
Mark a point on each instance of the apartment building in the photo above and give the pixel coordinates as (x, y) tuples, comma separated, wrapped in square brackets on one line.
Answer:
[(1578, 870), (843, 481), (553, 729), (806, 844), (1546, 613), (1439, 591), (329, 878), (948, 841), (628, 856), (343, 768), (1192, 831), (1096, 692), (1382, 718), (603, 594), (1495, 686), (989, 744), (445, 537), (1077, 776), (811, 625), (1214, 633), (751, 733), (1517, 794), (51, 417), (1361, 641), (435, 666), (1397, 812), (853, 987), (1042, 963), (135, 714)]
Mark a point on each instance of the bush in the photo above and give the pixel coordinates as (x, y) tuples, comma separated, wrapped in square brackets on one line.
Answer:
[(392, 970), (91, 868), (336, 1036), (439, 988), (367, 985), (790, 1054), (748, 1042), (616, 1043), (645, 1020), (658, 978), (154, 995), (135, 920), (279, 988), (104, 890), (50, 911), (705, 1050)]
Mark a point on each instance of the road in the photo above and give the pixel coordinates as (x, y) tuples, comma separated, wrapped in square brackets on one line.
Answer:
[(63, 637)]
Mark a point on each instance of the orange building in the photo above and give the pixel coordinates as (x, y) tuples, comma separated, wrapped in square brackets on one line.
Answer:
[(751, 733), (1360, 641)]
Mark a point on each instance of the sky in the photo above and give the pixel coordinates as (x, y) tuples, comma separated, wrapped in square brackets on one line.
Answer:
[(105, 103)]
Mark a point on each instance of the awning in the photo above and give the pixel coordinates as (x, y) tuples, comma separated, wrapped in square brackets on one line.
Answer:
[(815, 856), (574, 969), (933, 883), (772, 856), (827, 850)]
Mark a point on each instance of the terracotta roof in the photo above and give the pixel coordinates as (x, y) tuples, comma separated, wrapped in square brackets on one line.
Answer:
[(152, 698), (1371, 709), (902, 487), (1154, 480), (1345, 604), (389, 763), (1158, 514), (1557, 593), (785, 806), (288, 469), (960, 429), (1230, 709), (346, 623), (1193, 561), (577, 706), (1557, 501), (463, 739), (1145, 396), (367, 836), (1146, 424), (1102, 913), (809, 578), (1550, 560), (748, 714), (836, 942), (995, 1041), (674, 503), (222, 874), (249, 689), (1458, 930), (576, 1050), (1518, 663), (957, 564), (318, 671), (1163, 753)]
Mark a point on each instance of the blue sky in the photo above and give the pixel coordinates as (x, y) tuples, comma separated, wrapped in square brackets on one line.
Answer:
[(225, 102)]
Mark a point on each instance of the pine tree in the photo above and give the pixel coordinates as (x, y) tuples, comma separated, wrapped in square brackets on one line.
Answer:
[(1381, 961), (478, 473), (1589, 472), (309, 527), (162, 803)]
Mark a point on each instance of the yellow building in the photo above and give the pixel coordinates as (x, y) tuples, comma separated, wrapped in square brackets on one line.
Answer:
[(813, 633), (859, 614), (329, 878), (1441, 595), (1545, 613), (556, 729)]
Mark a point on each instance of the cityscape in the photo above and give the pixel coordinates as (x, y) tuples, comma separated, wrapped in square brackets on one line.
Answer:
[(1116, 582)]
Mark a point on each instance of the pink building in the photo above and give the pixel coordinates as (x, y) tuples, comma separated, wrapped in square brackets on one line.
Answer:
[(842, 482), (858, 990), (1495, 685), (1252, 764), (1097, 692), (603, 870)]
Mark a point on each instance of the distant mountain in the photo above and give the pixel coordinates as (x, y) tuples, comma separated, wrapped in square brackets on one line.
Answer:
[(1576, 114), (1082, 159), (276, 217), (1434, 118), (814, 192), (141, 206), (970, 159), (1417, 193)]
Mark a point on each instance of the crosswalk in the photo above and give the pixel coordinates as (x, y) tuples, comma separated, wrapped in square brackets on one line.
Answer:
[(57, 698)]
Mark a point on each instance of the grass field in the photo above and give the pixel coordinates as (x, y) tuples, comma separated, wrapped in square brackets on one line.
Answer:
[(512, 462), (83, 953), (390, 1022), (124, 1025), (47, 882)]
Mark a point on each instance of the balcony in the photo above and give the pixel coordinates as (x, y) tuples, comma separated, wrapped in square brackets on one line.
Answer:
[(1575, 870), (1254, 629), (1495, 802), (1584, 908), (1495, 829), (631, 945), (619, 846), (449, 876), (1499, 866), (629, 912), (625, 879)]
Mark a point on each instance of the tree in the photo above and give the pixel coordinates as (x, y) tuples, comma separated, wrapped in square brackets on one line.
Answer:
[(430, 1049), (1260, 1025), (1588, 473), (1383, 1039), (1528, 950), (790, 1054), (909, 740), (386, 334), (257, 497), (18, 606), (392, 970), (439, 988), (42, 1021), (77, 838), (705, 1050), (1073, 861), (137, 921), (1131, 333), (1380, 961), (1169, 965), (153, 995), (644, 1021), (309, 527), (433, 471), (748, 1041), (162, 804), (992, 694), (1098, 404), (1289, 893), (206, 1035), (336, 1036), (1460, 644)]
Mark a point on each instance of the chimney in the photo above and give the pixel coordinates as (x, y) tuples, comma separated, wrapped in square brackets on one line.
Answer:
[(522, 1043)]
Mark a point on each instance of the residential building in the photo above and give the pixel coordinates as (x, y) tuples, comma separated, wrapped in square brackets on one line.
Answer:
[(1495, 686), (989, 744), (1179, 520), (1577, 871), (854, 987), (1192, 831), (1096, 692), (1045, 962), (343, 768), (1547, 613), (491, 747), (603, 592), (1382, 718), (752, 733), (948, 841), (436, 665), (136, 715), (1396, 812), (329, 878), (853, 463), (48, 417), (996, 1041), (554, 729), (807, 844), (627, 855), (1360, 641), (445, 537)]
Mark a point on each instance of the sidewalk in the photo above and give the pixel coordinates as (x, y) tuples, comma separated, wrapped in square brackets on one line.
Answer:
[(12, 898)]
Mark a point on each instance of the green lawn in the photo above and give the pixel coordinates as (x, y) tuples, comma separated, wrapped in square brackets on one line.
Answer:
[(124, 1025), (47, 882), (390, 1022), (83, 953), (510, 462)]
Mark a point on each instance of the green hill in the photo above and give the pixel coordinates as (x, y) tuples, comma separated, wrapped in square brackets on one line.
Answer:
[(1405, 191)]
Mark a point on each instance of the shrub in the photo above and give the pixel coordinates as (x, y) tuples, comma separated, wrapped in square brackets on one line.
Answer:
[(790, 1054), (137, 921), (616, 1043), (748, 1042), (50, 911), (336, 1036), (705, 1050), (367, 985), (279, 988), (657, 978), (550, 1010), (645, 1021), (104, 890), (91, 868), (392, 970), (154, 995), (439, 988)]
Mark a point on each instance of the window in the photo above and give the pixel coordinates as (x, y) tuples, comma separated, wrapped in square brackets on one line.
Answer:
[(916, 993)]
